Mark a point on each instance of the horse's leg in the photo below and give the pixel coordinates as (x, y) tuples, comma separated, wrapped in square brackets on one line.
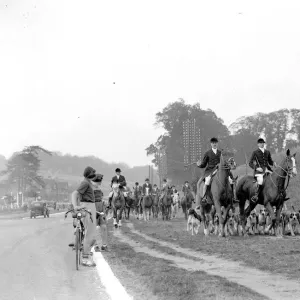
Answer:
[(115, 216), (278, 232), (221, 219), (272, 216), (202, 215), (225, 217)]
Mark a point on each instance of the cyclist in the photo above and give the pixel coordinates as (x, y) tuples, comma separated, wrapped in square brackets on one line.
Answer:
[(86, 197), (101, 219)]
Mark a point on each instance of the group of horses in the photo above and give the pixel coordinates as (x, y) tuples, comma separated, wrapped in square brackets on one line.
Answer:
[(149, 204), (220, 197), (273, 194)]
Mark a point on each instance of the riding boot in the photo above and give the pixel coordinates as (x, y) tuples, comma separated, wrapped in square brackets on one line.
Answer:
[(204, 197), (109, 199), (254, 198), (234, 199)]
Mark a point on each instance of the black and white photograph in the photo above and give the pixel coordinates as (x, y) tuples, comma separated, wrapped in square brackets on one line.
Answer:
[(149, 150)]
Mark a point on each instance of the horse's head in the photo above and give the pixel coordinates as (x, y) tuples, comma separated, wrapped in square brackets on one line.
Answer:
[(288, 164)]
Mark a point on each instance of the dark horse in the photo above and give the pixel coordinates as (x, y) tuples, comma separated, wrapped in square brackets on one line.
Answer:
[(118, 205), (272, 194), (220, 194), (166, 203), (155, 207), (186, 202), (136, 197), (129, 203)]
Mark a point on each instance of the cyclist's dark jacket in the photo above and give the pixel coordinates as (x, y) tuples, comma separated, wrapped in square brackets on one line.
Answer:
[(86, 191)]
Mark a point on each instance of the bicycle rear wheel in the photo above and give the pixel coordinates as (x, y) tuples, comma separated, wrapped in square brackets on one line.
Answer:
[(77, 247)]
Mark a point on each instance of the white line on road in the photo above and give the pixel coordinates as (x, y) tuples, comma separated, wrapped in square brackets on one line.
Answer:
[(112, 285)]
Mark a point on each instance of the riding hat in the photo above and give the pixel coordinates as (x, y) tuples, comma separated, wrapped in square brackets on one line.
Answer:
[(186, 181), (118, 170), (214, 140), (89, 172), (147, 179), (136, 183), (165, 180), (260, 140)]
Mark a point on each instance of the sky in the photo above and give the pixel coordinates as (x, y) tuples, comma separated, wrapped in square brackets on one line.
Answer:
[(88, 77)]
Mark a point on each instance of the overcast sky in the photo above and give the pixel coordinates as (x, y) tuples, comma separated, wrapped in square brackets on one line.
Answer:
[(60, 58)]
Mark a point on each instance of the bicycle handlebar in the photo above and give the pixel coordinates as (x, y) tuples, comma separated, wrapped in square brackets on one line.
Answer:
[(73, 210)]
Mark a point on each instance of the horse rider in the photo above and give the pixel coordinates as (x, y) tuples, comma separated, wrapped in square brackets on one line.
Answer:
[(186, 187), (120, 180), (261, 162), (146, 186), (164, 189), (210, 162), (137, 190), (155, 189)]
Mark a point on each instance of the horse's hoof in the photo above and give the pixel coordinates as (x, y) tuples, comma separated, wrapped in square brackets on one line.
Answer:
[(206, 231)]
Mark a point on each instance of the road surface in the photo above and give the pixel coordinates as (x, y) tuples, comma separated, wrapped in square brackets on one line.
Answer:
[(36, 262)]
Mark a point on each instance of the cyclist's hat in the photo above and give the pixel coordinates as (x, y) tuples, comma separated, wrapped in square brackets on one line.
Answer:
[(89, 172)]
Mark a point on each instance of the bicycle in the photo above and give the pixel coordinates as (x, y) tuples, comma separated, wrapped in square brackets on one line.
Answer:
[(79, 231)]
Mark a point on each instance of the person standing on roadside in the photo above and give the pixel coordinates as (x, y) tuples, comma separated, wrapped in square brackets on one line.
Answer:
[(83, 197), (101, 218)]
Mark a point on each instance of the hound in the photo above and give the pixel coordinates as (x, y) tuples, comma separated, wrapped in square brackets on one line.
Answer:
[(293, 222), (262, 221), (194, 221), (252, 222)]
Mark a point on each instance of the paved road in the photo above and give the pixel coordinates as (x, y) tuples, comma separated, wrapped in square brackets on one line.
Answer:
[(36, 262)]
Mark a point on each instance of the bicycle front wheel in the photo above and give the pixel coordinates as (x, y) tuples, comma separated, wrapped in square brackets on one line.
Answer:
[(77, 247)]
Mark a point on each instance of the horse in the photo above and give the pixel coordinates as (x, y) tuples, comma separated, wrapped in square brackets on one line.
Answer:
[(136, 197), (175, 205), (272, 193), (129, 203), (146, 205), (186, 202), (166, 203), (220, 194), (155, 207), (118, 205)]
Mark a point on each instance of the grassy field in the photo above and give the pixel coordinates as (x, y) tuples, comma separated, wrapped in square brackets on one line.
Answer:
[(148, 277), (262, 252), (148, 269)]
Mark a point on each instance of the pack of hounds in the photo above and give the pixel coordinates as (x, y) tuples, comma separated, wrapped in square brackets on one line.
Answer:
[(257, 222)]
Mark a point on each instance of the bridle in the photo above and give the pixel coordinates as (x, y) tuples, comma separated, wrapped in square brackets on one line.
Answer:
[(288, 173)]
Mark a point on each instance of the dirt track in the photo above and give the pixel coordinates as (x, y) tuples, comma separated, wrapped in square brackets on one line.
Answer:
[(264, 283)]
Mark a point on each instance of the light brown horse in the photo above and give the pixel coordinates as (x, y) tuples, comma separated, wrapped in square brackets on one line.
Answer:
[(146, 205), (272, 193), (220, 194), (118, 205)]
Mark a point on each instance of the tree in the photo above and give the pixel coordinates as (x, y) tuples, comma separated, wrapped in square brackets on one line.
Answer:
[(171, 119), (23, 167)]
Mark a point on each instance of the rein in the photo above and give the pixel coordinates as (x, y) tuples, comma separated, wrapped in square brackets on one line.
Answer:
[(287, 174)]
